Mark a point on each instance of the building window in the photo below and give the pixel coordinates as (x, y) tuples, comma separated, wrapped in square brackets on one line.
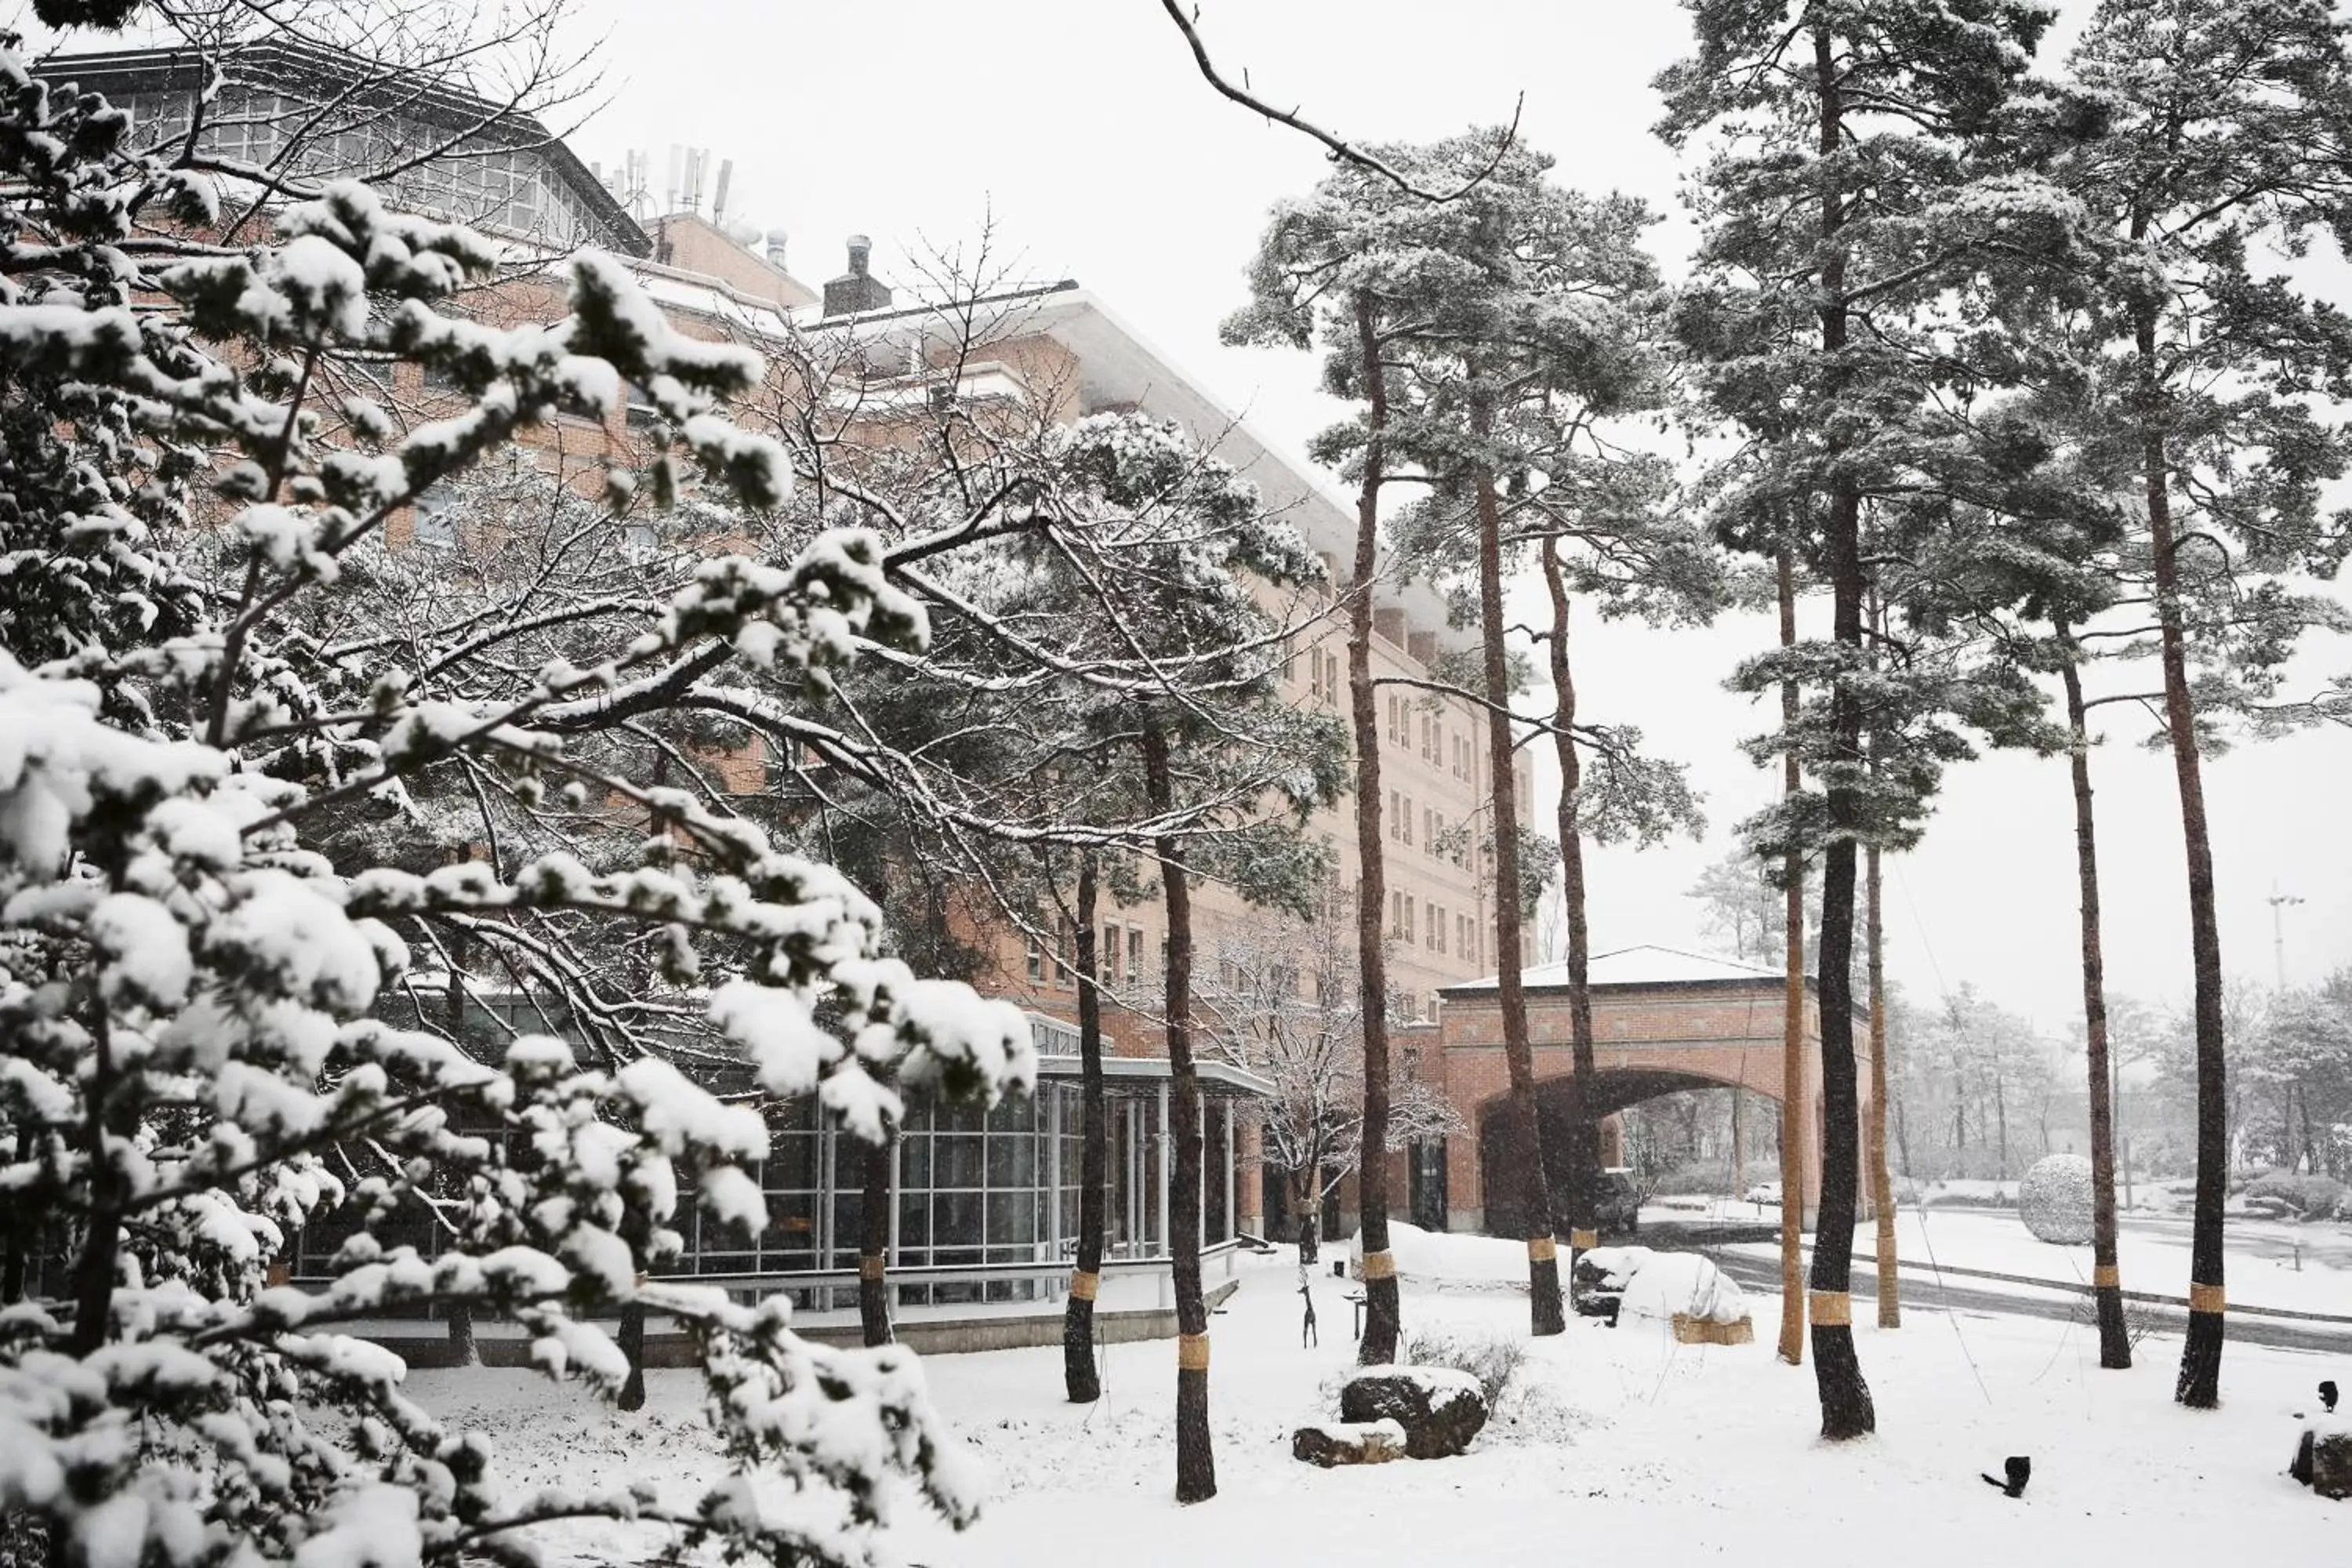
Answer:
[(1405, 816), (1108, 958), (1065, 952), (1396, 914), (1331, 680), (1396, 814), (1437, 927), (1037, 961), (1429, 830), (1134, 955), (1408, 919)]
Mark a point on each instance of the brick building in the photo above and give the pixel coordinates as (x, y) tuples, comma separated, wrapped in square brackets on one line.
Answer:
[(998, 1189)]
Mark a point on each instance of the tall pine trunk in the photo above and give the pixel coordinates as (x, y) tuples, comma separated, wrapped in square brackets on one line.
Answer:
[(1584, 1131), (1379, 1345), (1196, 1466), (1080, 1378), (1793, 1093), (1545, 1313), (2106, 1278), (2200, 1356), (1882, 1184), (875, 1199), (1847, 1410)]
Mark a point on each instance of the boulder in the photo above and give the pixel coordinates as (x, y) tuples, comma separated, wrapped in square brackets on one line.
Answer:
[(2323, 1460), (2055, 1199), (1348, 1443), (1440, 1409)]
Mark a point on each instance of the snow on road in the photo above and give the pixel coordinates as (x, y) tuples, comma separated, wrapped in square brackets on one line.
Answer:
[(2261, 1262), (1638, 1450)]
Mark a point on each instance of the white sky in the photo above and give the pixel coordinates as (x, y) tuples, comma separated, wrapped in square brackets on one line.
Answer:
[(1081, 126)]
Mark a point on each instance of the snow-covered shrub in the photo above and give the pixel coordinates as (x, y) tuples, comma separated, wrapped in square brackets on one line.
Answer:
[(194, 938), (2305, 1196), (1653, 1284), (2054, 1200), (1492, 1359)]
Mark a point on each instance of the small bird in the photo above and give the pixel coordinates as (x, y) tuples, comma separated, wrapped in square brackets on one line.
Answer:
[(2327, 1393), (2020, 1469)]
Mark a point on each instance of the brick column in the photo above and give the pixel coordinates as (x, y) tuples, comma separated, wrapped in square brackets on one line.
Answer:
[(1249, 1174)]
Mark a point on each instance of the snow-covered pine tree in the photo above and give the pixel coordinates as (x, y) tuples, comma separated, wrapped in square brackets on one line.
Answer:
[(1462, 325), (2212, 137), (1838, 195), (1198, 725), (187, 1030)]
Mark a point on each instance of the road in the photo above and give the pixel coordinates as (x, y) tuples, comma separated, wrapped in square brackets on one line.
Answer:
[(1922, 1291)]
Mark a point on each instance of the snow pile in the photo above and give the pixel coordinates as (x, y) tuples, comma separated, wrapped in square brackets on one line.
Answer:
[(1440, 1258), (1667, 1284)]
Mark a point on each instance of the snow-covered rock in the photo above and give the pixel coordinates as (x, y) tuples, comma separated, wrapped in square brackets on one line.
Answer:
[(1348, 1443), (2055, 1199), (2323, 1460), (1439, 1408)]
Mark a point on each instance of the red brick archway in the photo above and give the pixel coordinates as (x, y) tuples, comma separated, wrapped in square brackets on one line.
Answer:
[(1661, 1021)]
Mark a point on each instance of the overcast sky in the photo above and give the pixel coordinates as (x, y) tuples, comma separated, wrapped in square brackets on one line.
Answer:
[(1082, 128)]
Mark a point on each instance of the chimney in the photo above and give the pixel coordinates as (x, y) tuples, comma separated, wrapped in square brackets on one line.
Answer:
[(1423, 646), (776, 238), (857, 289), (1389, 624)]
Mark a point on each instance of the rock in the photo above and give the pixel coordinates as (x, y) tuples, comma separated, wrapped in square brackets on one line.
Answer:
[(2055, 1199), (1348, 1443), (2323, 1461), (1440, 1409)]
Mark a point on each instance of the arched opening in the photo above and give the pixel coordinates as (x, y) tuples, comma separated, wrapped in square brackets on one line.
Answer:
[(1614, 1090)]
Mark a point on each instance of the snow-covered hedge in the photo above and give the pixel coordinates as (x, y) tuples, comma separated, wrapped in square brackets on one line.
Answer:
[(2055, 1199)]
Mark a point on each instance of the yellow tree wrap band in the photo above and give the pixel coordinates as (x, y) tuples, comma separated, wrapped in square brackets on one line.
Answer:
[(1542, 1249), (868, 1267), (1378, 1265), (1584, 1240), (2206, 1297), (1830, 1309), (2106, 1277), (1085, 1286), (1192, 1353)]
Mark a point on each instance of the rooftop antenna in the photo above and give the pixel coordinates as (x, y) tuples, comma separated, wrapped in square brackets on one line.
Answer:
[(719, 197)]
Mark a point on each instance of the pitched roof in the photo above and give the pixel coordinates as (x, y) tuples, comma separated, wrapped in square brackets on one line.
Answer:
[(1643, 965)]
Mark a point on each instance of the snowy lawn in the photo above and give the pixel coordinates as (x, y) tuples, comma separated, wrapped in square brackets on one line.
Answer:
[(1636, 1449)]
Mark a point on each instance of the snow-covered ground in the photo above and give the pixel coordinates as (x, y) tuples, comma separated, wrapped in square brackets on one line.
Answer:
[(1619, 1447)]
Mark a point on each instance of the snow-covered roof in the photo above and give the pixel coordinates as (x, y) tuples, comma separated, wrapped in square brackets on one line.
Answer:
[(1643, 965)]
